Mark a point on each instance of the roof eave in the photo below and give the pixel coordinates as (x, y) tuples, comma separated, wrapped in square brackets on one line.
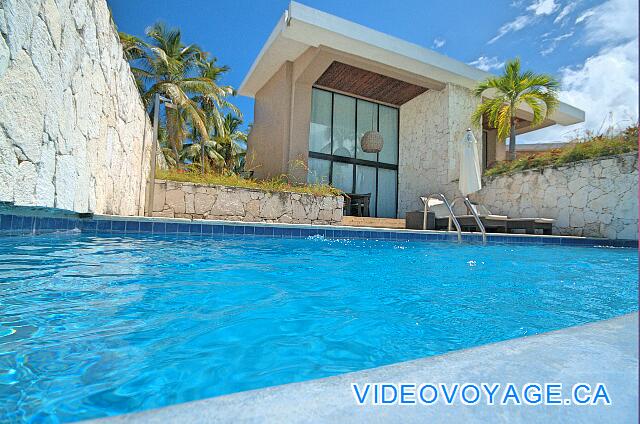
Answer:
[(245, 88), (306, 27)]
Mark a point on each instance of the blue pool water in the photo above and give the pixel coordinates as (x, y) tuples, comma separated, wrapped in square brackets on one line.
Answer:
[(93, 326)]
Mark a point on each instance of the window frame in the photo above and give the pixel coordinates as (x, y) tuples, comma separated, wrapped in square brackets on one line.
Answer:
[(354, 160)]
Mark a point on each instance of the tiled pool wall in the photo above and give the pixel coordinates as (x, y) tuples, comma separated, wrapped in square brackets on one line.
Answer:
[(20, 224)]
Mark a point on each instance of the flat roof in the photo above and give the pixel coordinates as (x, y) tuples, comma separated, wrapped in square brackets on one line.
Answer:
[(541, 147), (301, 27)]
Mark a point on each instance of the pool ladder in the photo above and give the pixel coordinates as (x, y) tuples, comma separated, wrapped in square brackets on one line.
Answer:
[(439, 199)]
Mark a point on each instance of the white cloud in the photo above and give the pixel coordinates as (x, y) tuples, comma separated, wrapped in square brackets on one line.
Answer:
[(487, 63), (553, 43), (565, 12), (548, 50), (538, 8), (605, 87), (516, 25), (438, 42), (612, 21), (584, 16), (543, 7)]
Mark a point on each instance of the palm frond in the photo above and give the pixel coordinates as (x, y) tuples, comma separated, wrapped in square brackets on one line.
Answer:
[(511, 89)]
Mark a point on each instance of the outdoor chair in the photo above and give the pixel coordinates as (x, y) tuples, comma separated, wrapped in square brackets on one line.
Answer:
[(357, 204), (528, 225), (492, 223)]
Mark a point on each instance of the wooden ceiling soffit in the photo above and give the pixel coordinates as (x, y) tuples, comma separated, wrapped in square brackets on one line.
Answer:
[(360, 82)]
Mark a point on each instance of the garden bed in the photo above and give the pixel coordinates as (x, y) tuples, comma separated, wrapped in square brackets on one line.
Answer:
[(273, 185), (590, 147)]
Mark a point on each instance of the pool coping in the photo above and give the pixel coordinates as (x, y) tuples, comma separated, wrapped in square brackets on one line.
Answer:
[(26, 224), (567, 356)]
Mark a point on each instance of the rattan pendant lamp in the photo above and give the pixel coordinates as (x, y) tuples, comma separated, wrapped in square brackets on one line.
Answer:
[(371, 141)]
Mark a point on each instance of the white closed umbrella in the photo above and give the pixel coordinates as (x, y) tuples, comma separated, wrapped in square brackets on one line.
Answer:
[(470, 177)]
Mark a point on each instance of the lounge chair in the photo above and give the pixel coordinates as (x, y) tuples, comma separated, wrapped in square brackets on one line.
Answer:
[(492, 223), (529, 225)]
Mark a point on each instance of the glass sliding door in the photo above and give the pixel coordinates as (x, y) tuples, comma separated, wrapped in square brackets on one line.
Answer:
[(338, 123), (366, 120), (344, 126), (319, 171), (387, 187), (366, 181), (320, 129), (342, 176), (389, 130)]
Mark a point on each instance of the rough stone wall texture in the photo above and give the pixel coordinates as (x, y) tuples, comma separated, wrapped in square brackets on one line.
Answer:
[(187, 200), (431, 128), (594, 198), (73, 131)]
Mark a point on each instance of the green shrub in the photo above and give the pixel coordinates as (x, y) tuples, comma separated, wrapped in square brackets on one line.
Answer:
[(588, 147), (233, 180)]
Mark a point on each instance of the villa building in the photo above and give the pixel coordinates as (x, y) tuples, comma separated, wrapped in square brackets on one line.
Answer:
[(320, 82)]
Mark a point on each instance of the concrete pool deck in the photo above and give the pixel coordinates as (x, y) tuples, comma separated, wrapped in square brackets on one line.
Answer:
[(602, 352)]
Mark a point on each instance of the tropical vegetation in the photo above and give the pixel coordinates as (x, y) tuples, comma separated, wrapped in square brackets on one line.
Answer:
[(589, 146), (273, 185), (200, 128), (508, 92)]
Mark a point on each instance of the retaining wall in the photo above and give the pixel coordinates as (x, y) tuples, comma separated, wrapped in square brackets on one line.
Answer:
[(187, 200), (591, 198), (74, 134)]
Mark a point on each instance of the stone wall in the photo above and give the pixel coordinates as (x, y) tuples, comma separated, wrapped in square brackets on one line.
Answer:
[(186, 200), (73, 131), (594, 198), (431, 127)]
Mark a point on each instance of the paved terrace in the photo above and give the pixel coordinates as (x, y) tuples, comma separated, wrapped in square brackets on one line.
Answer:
[(605, 352)]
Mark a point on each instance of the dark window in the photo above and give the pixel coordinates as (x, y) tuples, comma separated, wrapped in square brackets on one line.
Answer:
[(338, 122)]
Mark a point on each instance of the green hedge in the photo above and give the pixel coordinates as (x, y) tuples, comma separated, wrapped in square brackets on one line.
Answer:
[(590, 147), (273, 185)]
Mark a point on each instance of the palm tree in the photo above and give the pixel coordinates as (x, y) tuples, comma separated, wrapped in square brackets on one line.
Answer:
[(538, 91), (203, 152), (133, 49), (167, 152), (132, 46), (213, 102), (179, 72), (231, 142), (225, 150)]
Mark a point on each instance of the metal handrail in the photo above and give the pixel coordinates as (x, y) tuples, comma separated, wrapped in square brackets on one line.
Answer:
[(477, 218), (470, 208), (453, 205), (425, 201)]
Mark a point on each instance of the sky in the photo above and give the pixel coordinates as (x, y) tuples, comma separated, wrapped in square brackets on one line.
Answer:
[(590, 46)]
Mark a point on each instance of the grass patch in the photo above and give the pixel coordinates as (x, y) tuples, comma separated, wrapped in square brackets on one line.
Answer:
[(273, 185), (589, 147)]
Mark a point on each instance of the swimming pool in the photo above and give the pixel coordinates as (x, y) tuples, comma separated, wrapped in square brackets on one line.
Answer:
[(96, 325)]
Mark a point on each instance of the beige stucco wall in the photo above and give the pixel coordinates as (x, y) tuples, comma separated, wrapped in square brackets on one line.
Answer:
[(431, 127), (596, 198), (501, 150), (266, 144), (73, 131), (279, 140)]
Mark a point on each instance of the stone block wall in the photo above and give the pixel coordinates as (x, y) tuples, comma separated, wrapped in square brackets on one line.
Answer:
[(74, 134), (194, 201), (593, 198), (431, 128)]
